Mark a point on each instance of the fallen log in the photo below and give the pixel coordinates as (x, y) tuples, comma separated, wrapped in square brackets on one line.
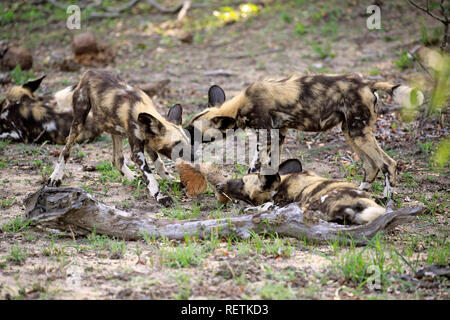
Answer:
[(74, 210)]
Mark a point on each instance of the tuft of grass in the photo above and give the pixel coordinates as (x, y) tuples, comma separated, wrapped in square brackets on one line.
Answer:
[(88, 189), (182, 256), (272, 290), (286, 17), (53, 250), (7, 203), (438, 252), (300, 29), (16, 255), (108, 173), (437, 203), (4, 144), (426, 147), (322, 50), (429, 38), (20, 76), (16, 225), (404, 61), (278, 248), (374, 72), (184, 286)]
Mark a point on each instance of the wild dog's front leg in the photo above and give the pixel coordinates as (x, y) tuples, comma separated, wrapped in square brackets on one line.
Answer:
[(265, 149), (159, 165), (369, 167), (378, 159), (152, 185), (255, 163), (118, 159), (261, 208)]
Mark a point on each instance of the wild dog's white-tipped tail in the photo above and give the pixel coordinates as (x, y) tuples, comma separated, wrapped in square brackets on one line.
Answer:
[(369, 214), (64, 98), (407, 97)]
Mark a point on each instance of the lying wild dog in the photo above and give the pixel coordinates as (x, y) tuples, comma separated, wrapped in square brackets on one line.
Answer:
[(123, 111), (29, 118), (332, 200), (307, 103)]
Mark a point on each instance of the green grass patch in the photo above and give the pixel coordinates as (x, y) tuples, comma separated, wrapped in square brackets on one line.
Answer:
[(15, 225)]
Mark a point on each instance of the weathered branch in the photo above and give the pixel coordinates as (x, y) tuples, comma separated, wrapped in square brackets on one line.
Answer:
[(163, 9), (427, 11), (114, 12), (444, 19), (260, 53), (72, 209)]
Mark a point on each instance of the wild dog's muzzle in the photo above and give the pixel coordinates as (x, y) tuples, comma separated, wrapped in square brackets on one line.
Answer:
[(235, 189)]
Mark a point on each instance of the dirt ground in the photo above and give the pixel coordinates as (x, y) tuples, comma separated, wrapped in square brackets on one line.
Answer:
[(331, 38)]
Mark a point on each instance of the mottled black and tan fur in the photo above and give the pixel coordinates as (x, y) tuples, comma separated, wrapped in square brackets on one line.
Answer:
[(329, 199), (29, 118), (123, 111), (306, 103)]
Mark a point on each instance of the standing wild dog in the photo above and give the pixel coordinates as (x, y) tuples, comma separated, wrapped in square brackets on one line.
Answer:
[(332, 200), (123, 111), (307, 103), (29, 118)]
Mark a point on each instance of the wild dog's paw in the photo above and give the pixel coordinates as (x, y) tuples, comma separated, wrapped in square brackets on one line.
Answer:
[(262, 208), (253, 169), (164, 200), (53, 182)]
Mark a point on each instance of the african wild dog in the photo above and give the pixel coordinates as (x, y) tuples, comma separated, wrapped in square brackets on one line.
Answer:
[(29, 118), (332, 200), (307, 103), (124, 111)]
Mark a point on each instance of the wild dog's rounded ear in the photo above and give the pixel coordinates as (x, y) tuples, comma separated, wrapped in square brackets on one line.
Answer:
[(216, 96), (175, 114), (270, 182), (223, 122), (290, 166), (32, 85), (150, 124)]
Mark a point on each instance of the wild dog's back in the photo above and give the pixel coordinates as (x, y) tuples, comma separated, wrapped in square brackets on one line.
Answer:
[(334, 200)]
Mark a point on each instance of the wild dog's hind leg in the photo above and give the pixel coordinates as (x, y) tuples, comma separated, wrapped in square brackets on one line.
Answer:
[(81, 108), (118, 159), (138, 156)]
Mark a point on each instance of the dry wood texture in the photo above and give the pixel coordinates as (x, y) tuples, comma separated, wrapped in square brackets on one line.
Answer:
[(72, 209)]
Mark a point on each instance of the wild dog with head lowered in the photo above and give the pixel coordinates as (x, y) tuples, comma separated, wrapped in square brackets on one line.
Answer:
[(29, 118), (332, 200), (308, 103), (124, 111)]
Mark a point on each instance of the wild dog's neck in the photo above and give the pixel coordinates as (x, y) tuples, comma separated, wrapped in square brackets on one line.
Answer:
[(231, 107)]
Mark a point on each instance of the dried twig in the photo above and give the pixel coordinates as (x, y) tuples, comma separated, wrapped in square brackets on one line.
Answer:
[(163, 9), (114, 12), (443, 19), (219, 72), (241, 56)]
